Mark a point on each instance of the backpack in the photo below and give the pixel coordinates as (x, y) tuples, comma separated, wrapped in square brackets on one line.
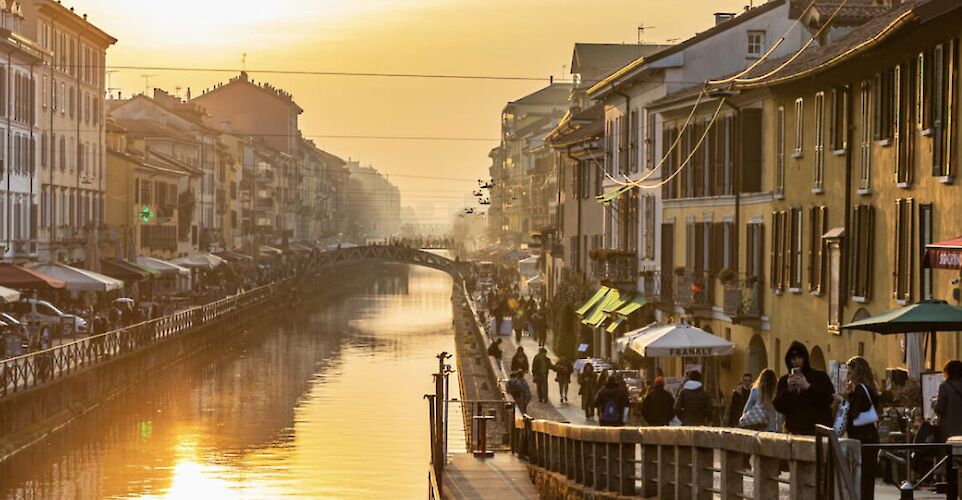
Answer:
[(610, 411)]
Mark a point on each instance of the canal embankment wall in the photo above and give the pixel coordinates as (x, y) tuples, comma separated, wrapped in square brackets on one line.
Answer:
[(98, 370)]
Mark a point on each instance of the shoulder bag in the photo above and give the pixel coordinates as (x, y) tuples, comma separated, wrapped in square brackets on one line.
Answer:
[(869, 416)]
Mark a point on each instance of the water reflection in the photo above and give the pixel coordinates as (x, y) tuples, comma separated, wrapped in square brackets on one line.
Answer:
[(324, 401)]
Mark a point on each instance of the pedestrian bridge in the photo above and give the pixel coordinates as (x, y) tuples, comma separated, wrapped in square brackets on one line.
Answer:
[(389, 253)]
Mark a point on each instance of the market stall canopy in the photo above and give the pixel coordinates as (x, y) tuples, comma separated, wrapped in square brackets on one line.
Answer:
[(299, 248), (944, 254), (126, 271), (162, 266), (535, 282), (660, 341), (8, 295), (80, 280), (22, 278), (515, 255), (201, 260)]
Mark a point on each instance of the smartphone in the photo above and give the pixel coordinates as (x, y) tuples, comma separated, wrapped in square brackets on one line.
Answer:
[(796, 371)]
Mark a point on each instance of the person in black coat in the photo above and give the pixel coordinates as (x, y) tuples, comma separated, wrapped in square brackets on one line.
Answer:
[(739, 398), (694, 405), (611, 402), (494, 350), (519, 362), (657, 408), (805, 395)]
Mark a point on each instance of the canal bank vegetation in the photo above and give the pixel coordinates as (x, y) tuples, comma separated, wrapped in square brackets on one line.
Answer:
[(564, 323)]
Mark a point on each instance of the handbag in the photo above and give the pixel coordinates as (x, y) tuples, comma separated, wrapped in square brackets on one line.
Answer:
[(869, 416), (754, 417), (841, 417)]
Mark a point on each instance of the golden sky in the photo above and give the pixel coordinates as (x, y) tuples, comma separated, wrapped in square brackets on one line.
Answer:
[(479, 37)]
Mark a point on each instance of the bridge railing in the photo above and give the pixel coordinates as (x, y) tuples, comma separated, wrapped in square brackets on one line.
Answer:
[(672, 462), (30, 370)]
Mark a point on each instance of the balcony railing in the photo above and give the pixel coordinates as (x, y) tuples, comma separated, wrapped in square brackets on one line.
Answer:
[(743, 298), (694, 290), (615, 266), (657, 287)]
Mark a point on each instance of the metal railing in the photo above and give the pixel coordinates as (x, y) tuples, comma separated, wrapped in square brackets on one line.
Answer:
[(31, 370), (616, 266), (694, 289), (743, 298), (657, 287)]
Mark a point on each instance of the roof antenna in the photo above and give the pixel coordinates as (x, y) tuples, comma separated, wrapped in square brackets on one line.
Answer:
[(641, 29), (244, 61), (147, 83)]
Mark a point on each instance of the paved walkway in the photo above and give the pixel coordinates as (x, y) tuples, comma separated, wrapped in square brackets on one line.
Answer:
[(501, 476)]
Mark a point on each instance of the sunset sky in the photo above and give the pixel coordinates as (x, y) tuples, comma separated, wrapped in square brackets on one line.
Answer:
[(531, 38)]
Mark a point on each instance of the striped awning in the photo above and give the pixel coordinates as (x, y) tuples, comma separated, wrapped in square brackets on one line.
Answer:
[(598, 296)]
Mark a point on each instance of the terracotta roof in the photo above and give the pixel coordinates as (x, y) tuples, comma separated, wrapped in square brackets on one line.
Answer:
[(267, 88), (581, 126), (626, 72), (859, 40), (149, 128)]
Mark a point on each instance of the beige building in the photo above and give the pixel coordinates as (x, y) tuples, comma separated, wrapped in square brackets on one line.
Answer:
[(71, 122)]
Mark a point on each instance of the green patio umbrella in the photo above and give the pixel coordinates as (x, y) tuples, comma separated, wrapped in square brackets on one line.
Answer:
[(926, 316)]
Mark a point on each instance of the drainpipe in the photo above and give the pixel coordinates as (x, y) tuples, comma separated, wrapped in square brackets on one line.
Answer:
[(6, 153), (849, 138)]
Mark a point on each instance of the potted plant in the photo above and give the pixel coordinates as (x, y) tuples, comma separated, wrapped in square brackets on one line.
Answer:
[(680, 271), (726, 275)]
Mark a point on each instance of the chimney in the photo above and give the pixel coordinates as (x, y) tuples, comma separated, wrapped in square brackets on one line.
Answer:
[(721, 17)]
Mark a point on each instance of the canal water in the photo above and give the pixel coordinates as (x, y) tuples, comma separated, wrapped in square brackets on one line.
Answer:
[(324, 400)]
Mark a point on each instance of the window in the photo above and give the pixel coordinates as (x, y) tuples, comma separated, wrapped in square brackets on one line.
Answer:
[(633, 142), (921, 90), (885, 98), (609, 146), (865, 143), (862, 252), (925, 237), (795, 266), (756, 43), (650, 140), (780, 256), (816, 248), (819, 142), (754, 247), (668, 136), (944, 83), (905, 124), (780, 150), (649, 235), (904, 254), (838, 126), (43, 149), (799, 107)]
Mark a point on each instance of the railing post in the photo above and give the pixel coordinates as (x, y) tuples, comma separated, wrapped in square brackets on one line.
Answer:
[(732, 484), (666, 472), (803, 480), (596, 465), (704, 476), (683, 473), (765, 474), (649, 471), (627, 469), (611, 461)]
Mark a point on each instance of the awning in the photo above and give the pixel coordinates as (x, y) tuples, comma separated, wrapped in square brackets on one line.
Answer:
[(269, 251), (80, 280), (581, 311), (162, 266), (8, 295), (299, 248), (126, 271), (944, 254), (231, 256), (21, 278), (625, 312), (612, 302), (612, 195), (201, 260)]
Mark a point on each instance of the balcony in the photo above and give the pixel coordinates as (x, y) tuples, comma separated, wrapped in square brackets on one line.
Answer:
[(694, 290), (615, 267), (743, 298), (657, 287)]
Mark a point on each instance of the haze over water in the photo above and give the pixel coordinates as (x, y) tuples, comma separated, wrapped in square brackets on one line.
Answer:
[(324, 402)]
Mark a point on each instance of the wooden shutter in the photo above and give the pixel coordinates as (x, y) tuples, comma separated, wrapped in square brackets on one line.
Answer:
[(897, 255), (925, 238), (774, 264)]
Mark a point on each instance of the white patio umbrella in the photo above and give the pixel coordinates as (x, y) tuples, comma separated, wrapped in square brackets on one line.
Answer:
[(659, 341), (78, 279), (199, 260)]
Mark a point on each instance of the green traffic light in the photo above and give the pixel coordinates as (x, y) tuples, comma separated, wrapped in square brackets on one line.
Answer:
[(146, 214)]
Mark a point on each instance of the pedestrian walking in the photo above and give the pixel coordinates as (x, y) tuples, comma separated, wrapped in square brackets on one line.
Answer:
[(948, 403), (805, 395), (563, 368), (738, 400), (519, 362), (540, 366), (520, 324), (611, 402), (693, 405), (657, 407), (518, 388), (758, 413), (587, 387), (862, 417)]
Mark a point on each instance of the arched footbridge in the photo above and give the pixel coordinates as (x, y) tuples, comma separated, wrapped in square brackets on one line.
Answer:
[(389, 253)]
